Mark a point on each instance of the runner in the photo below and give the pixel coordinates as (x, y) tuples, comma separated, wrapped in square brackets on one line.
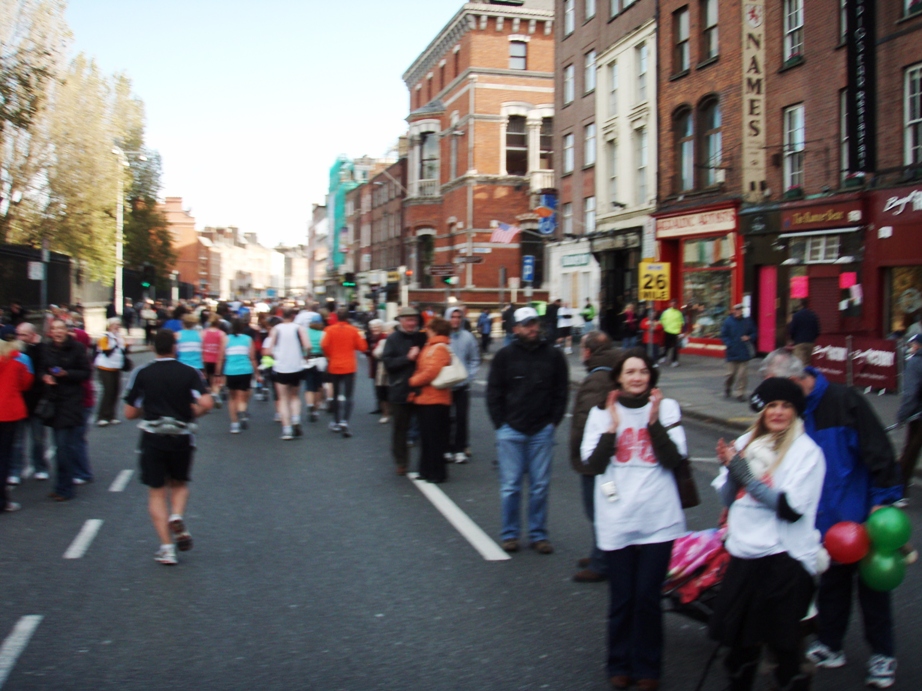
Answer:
[(238, 363), (288, 343), (340, 344), (168, 396), (214, 341)]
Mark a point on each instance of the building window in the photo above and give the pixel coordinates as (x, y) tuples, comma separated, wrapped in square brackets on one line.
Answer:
[(817, 249), (566, 218), (640, 157), (793, 29), (913, 6), (590, 9), (843, 133), (569, 89), (518, 55), (547, 144), (613, 89), (589, 215), (428, 88), (685, 150), (709, 46), (642, 56), (843, 20), (914, 115), (680, 28), (612, 147), (614, 8), (568, 153), (429, 156), (589, 74), (457, 63), (711, 143), (794, 147), (569, 16), (453, 160), (589, 145), (516, 146)]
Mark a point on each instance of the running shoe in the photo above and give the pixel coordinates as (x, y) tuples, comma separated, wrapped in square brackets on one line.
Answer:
[(102, 423), (461, 457), (13, 480), (180, 535), (41, 475), (344, 427), (244, 421), (287, 433), (166, 555), (334, 427), (297, 429), (313, 417), (881, 672), (235, 428), (821, 655)]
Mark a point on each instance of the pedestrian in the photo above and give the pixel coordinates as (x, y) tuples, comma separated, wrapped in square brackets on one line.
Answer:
[(910, 412), (401, 350), (83, 472), (175, 323), (32, 425), (508, 319), (375, 336), (599, 358), (381, 377), (737, 333), (214, 342), (630, 325), (168, 396), (18, 314), (631, 446), (464, 346), (485, 329), (189, 343), (340, 343), (16, 376), (288, 344), (65, 368), (656, 338), (550, 321), (432, 405), (237, 363), (673, 322), (803, 331), (149, 320), (316, 369), (526, 398), (109, 362), (771, 481), (861, 474), (588, 315), (565, 317)]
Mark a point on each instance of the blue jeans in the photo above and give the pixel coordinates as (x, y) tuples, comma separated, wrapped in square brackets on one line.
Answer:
[(34, 428), (82, 470), (520, 453), (635, 617), (66, 440), (596, 557)]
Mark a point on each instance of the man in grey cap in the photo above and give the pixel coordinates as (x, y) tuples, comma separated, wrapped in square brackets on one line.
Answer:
[(400, 352), (464, 345), (737, 333)]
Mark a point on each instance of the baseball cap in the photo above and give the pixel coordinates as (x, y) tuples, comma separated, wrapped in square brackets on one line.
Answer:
[(525, 314), (407, 312)]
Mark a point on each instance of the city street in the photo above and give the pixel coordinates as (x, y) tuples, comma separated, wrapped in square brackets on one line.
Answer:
[(316, 567)]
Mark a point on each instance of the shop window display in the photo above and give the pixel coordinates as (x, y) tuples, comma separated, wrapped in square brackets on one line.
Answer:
[(905, 297), (706, 284)]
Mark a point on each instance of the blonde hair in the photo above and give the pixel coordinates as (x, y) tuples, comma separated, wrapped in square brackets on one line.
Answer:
[(7, 348), (780, 441)]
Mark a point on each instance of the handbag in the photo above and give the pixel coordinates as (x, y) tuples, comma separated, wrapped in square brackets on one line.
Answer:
[(128, 364), (44, 410), (452, 374), (685, 482)]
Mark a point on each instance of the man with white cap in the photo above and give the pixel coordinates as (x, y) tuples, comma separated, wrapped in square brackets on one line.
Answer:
[(526, 398), (464, 345), (737, 333), (399, 357)]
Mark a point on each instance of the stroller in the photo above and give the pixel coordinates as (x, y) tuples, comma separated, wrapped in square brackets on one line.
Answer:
[(696, 569)]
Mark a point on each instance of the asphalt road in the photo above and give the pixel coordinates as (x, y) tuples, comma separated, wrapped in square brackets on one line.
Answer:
[(316, 567)]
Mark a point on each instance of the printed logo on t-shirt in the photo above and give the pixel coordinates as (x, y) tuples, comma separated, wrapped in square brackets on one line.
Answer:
[(635, 443)]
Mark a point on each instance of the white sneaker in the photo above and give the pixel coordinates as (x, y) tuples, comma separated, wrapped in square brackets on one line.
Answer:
[(41, 475), (461, 457), (277, 417), (12, 480), (166, 555), (568, 351), (674, 364), (334, 427), (384, 420), (79, 481), (287, 433), (235, 428), (821, 656), (102, 423), (881, 672)]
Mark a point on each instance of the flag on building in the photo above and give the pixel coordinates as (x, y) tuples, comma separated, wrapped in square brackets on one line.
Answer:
[(504, 233)]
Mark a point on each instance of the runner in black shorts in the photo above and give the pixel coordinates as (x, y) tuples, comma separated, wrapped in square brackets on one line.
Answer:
[(168, 395)]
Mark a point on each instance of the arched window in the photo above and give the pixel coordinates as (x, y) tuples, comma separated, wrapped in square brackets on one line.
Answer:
[(685, 150), (711, 142)]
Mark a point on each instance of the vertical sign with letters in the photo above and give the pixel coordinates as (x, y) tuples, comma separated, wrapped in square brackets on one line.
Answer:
[(753, 100), (860, 96)]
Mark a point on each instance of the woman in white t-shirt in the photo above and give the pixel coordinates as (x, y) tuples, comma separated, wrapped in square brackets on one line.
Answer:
[(565, 327), (631, 445), (771, 481)]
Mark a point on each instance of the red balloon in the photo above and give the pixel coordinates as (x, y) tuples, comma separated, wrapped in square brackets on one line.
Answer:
[(847, 542)]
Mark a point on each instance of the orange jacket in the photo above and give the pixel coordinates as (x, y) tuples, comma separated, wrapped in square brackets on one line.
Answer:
[(339, 344), (432, 358)]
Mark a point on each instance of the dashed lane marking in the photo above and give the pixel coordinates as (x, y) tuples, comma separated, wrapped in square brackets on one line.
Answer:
[(15, 643), (121, 481), (84, 538), (469, 530)]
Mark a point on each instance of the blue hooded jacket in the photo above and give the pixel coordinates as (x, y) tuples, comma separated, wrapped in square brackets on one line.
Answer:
[(861, 468)]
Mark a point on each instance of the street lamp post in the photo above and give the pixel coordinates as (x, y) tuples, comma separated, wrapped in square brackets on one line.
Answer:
[(118, 298)]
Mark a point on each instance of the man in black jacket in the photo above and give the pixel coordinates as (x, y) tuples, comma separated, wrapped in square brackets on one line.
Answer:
[(400, 352), (527, 399)]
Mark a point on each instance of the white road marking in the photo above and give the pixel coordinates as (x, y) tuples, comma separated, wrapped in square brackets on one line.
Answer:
[(469, 530), (82, 542), (704, 459), (15, 643), (121, 481)]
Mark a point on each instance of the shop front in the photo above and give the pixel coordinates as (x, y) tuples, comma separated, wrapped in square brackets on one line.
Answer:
[(704, 251), (618, 255), (575, 275)]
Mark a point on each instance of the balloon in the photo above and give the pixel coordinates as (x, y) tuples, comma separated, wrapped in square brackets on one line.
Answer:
[(889, 529), (847, 542), (882, 571)]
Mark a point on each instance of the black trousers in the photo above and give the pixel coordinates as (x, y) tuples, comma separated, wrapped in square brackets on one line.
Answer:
[(671, 342), (111, 381), (343, 394), (460, 415), (401, 413), (834, 607), (433, 437), (7, 435)]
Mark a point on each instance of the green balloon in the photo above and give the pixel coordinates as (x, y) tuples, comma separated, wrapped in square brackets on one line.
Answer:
[(889, 529), (882, 571)]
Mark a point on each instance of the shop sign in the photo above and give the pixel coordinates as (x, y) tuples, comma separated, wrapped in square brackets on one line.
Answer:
[(569, 260), (826, 216), (621, 241), (873, 361), (896, 204), (860, 95), (654, 281), (721, 220), (754, 90), (393, 277)]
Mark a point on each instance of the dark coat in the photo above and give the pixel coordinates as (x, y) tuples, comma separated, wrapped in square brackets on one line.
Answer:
[(804, 327), (67, 395), (36, 353), (732, 332), (399, 367), (592, 392)]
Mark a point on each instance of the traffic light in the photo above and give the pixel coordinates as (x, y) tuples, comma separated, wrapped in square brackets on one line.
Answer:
[(450, 280), (147, 275), (349, 280)]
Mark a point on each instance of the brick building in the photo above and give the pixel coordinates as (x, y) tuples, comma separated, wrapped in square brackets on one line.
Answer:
[(383, 249), (481, 102), (193, 256)]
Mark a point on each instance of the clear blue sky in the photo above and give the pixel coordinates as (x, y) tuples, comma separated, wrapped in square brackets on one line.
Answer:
[(250, 103)]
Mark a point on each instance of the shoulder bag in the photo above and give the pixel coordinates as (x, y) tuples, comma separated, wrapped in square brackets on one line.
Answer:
[(128, 364), (685, 480), (451, 374)]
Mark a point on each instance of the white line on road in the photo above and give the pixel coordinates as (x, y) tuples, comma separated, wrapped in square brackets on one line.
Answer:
[(82, 542), (15, 643), (469, 530), (121, 481), (705, 459)]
